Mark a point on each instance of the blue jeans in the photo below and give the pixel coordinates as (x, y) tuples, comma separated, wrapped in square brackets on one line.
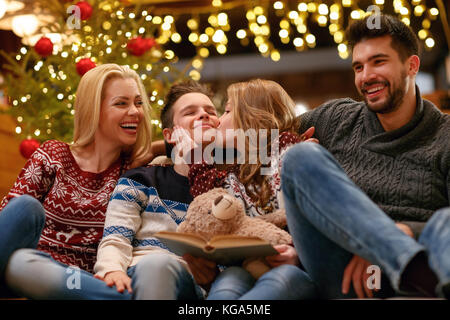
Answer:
[(21, 224), (36, 275), (331, 219), (286, 282), (160, 276)]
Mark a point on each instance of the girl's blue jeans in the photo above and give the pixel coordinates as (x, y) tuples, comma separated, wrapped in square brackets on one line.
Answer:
[(286, 282)]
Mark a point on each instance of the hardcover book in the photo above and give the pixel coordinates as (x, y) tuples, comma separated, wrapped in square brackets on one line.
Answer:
[(223, 249)]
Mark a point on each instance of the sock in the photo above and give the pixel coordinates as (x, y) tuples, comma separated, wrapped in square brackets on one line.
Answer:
[(419, 277)]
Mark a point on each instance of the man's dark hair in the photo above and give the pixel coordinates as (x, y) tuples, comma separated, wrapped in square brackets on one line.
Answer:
[(175, 92), (403, 39)]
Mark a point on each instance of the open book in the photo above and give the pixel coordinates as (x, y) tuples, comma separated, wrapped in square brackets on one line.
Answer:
[(224, 250)]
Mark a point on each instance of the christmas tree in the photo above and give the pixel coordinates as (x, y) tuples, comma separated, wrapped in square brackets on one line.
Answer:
[(77, 35), (42, 80)]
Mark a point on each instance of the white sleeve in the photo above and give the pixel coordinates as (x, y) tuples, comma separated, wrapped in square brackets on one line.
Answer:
[(122, 221)]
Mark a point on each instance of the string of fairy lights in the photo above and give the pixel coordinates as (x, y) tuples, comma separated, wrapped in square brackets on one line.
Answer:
[(295, 24), (213, 31)]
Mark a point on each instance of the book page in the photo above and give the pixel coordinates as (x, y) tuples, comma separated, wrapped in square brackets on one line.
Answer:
[(228, 250), (192, 239), (229, 241)]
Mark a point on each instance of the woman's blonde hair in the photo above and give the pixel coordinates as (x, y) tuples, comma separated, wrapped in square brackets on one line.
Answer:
[(88, 101), (260, 104)]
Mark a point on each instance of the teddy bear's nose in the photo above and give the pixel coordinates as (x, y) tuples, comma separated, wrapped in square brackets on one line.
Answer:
[(223, 208)]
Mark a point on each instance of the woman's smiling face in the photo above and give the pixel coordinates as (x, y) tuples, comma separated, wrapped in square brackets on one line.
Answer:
[(121, 113)]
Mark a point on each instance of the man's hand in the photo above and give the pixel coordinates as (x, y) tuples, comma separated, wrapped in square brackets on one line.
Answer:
[(158, 148), (204, 271), (307, 136), (286, 255), (142, 161), (356, 273), (406, 229), (118, 278)]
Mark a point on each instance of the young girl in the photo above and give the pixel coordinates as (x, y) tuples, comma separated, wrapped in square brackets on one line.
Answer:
[(256, 104), (69, 186)]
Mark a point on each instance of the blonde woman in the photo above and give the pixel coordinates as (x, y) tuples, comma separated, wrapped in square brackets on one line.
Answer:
[(255, 108), (69, 186)]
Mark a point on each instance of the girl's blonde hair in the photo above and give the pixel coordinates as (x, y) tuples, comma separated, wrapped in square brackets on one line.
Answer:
[(88, 101), (260, 104)]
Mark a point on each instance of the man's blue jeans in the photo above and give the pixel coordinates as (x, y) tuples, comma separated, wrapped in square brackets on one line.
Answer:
[(286, 282), (331, 219)]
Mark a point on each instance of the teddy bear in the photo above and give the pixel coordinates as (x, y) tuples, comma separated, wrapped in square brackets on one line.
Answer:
[(218, 213)]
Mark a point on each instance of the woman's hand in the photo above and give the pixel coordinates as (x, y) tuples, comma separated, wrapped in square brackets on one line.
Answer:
[(204, 271), (286, 255), (118, 278)]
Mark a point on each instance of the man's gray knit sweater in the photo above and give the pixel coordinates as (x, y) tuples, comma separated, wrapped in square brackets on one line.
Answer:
[(406, 172)]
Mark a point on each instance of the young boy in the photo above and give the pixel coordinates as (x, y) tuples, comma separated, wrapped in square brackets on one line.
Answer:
[(151, 199)]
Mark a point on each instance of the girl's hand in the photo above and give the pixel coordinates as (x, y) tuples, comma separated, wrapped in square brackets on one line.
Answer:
[(184, 145), (204, 271), (118, 278), (287, 255)]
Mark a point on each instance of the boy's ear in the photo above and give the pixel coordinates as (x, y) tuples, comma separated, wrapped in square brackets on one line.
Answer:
[(167, 133)]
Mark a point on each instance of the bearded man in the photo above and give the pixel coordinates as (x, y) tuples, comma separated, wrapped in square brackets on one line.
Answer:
[(374, 196)]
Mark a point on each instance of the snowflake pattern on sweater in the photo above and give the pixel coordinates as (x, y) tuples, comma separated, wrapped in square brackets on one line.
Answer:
[(75, 202)]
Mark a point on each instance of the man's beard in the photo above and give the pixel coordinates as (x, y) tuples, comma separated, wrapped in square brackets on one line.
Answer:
[(394, 98)]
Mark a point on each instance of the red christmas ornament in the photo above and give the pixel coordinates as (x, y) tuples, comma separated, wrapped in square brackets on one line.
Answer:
[(27, 147), (138, 45), (44, 47), (150, 43), (85, 9), (84, 65)]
